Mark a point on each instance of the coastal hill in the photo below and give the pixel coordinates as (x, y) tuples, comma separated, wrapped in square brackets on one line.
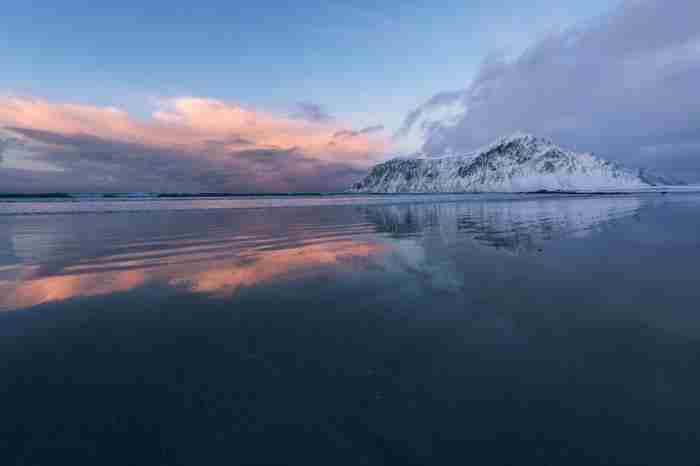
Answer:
[(517, 163)]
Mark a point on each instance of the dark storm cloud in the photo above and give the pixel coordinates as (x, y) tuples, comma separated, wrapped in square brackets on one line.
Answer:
[(232, 141), (311, 112), (290, 170), (361, 132), (97, 164), (624, 86), (4, 145)]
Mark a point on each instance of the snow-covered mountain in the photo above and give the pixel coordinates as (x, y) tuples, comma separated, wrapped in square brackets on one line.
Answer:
[(518, 163)]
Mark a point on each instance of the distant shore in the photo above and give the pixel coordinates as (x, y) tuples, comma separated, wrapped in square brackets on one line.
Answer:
[(135, 196)]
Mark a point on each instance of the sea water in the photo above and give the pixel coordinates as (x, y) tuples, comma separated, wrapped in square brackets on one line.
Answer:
[(380, 330)]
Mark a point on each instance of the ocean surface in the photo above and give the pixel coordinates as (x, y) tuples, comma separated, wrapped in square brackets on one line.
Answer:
[(351, 330)]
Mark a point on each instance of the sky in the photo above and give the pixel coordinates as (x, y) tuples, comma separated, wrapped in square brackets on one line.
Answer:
[(306, 96)]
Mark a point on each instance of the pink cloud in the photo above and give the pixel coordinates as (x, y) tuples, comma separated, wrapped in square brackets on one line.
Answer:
[(191, 123)]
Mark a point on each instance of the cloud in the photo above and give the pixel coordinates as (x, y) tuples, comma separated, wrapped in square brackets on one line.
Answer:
[(614, 85), (361, 132), (4, 145), (439, 101), (311, 112), (7, 141), (232, 141), (188, 144)]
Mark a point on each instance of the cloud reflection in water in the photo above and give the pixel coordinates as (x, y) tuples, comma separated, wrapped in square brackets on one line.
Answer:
[(61, 257)]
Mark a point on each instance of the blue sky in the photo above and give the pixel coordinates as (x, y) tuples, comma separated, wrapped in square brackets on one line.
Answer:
[(306, 96), (365, 61)]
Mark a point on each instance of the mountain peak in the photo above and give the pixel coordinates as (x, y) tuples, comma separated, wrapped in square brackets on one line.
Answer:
[(522, 138)]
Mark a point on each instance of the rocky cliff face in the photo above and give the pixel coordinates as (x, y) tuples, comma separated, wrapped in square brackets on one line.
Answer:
[(518, 163)]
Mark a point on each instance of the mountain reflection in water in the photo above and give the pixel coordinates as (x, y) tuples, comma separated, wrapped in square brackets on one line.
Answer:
[(513, 226)]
